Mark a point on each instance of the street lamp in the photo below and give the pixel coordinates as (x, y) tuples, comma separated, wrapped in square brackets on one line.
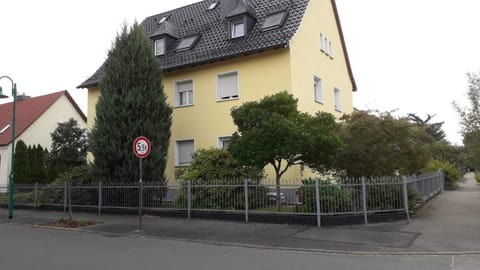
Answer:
[(10, 186)]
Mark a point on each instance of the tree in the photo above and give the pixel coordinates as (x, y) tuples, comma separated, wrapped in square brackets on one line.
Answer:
[(132, 103), (38, 166), (69, 147), (30, 166), (273, 132), (22, 163), (434, 129), (217, 167), (471, 141), (378, 145), (470, 116)]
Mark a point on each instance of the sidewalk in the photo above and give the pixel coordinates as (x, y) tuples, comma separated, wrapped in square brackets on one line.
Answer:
[(450, 223)]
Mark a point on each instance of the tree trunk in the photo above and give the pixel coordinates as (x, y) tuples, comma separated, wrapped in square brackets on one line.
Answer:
[(69, 191), (277, 183)]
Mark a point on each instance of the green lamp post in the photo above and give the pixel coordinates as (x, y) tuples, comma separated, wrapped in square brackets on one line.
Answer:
[(11, 184)]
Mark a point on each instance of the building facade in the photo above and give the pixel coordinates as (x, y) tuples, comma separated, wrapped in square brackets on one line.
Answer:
[(219, 54), (36, 119)]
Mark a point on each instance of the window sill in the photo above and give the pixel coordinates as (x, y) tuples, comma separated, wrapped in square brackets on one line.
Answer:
[(319, 102), (184, 106), (338, 110), (182, 166), (229, 99)]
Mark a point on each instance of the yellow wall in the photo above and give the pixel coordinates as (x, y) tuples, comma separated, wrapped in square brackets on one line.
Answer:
[(307, 61), (259, 75)]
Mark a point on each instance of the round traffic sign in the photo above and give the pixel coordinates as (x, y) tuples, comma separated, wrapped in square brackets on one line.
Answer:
[(141, 147)]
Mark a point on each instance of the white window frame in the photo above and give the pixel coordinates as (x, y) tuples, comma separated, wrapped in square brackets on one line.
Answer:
[(177, 152), (318, 89), (337, 99), (330, 49), (178, 97), (221, 139), (322, 42), (232, 97), (157, 53), (233, 27)]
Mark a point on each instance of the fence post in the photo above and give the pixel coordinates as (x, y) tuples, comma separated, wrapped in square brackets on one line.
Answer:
[(364, 200), (189, 198), (35, 197), (65, 197), (317, 199), (100, 191), (246, 199), (405, 197)]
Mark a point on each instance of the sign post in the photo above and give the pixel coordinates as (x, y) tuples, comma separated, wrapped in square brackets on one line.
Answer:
[(141, 148)]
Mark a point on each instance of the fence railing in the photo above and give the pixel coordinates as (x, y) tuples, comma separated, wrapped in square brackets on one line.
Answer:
[(313, 197)]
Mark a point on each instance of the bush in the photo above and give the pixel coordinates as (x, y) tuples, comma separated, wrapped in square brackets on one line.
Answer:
[(452, 174), (218, 182), (477, 177), (333, 199)]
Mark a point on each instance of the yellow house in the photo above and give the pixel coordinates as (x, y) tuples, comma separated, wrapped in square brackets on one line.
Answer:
[(217, 54)]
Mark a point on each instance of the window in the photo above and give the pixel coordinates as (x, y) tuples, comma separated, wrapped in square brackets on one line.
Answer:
[(274, 20), (184, 152), (5, 128), (212, 6), (223, 142), (237, 28), (184, 93), (326, 45), (160, 46), (322, 42), (318, 89), (186, 43), (227, 86), (338, 101), (330, 49), (163, 19)]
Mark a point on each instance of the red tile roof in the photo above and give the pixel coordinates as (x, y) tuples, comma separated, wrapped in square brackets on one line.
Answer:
[(27, 112)]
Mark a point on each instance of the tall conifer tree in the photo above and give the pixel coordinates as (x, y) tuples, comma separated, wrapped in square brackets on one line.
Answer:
[(132, 103)]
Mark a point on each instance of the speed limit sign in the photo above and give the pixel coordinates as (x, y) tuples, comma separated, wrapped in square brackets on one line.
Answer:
[(141, 147)]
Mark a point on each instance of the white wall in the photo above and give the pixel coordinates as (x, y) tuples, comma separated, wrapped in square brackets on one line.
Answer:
[(39, 132)]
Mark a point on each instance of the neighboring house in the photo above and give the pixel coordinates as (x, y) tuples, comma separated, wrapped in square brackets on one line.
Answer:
[(217, 54), (36, 118)]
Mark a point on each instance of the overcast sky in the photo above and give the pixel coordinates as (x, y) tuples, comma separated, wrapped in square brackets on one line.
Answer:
[(410, 55)]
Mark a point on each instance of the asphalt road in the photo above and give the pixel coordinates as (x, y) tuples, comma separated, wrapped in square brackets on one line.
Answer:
[(25, 247)]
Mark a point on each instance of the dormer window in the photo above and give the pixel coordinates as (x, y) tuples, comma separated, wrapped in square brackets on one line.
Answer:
[(162, 20), (5, 129), (237, 28), (274, 20), (187, 43), (160, 46)]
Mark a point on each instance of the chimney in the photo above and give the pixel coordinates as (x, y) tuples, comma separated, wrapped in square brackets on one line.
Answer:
[(22, 97)]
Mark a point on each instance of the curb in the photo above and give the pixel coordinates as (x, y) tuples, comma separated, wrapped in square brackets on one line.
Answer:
[(136, 234)]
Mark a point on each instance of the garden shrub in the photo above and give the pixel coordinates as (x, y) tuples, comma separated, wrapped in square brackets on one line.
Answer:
[(218, 182), (333, 199), (452, 174)]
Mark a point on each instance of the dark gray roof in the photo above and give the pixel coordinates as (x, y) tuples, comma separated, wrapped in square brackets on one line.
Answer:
[(214, 43)]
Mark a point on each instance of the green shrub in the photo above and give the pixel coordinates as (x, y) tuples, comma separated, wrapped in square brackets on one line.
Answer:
[(452, 174), (477, 177), (218, 182), (333, 199), (385, 196)]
